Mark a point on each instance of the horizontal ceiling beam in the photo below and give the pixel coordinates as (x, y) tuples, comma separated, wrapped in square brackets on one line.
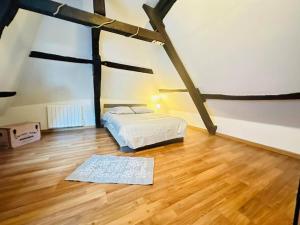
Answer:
[(49, 56), (5, 94), (290, 96), (43, 55), (127, 67), (71, 14), (163, 7), (172, 90)]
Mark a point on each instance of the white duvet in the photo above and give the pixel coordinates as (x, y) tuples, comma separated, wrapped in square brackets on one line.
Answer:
[(138, 130)]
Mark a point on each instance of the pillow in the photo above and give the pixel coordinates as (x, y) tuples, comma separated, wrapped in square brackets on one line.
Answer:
[(121, 110), (141, 109)]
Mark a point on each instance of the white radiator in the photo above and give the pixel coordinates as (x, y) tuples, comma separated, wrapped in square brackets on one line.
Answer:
[(63, 116)]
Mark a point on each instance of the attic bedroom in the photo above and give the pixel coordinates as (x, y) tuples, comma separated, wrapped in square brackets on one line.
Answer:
[(150, 112)]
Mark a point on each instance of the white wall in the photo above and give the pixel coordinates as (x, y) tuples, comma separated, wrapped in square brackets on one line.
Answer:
[(238, 48), (15, 46), (43, 81), (230, 47), (280, 137), (60, 81)]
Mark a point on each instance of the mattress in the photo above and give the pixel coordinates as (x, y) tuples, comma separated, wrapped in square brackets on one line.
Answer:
[(139, 130)]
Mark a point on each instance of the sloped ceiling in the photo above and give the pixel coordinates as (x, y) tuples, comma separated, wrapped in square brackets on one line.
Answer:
[(229, 47), (41, 81), (15, 45), (238, 48), (46, 81)]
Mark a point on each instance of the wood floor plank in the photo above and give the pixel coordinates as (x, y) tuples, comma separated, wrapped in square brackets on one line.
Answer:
[(205, 180)]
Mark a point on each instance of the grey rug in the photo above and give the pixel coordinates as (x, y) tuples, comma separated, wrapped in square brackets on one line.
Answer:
[(115, 169)]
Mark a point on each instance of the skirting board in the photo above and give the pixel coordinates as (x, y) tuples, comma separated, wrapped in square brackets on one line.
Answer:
[(66, 129), (265, 147)]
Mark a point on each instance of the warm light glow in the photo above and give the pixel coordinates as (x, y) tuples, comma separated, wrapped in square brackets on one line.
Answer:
[(155, 98), (163, 96), (156, 101)]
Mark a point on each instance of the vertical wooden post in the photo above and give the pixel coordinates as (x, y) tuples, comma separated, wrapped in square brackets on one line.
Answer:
[(99, 8)]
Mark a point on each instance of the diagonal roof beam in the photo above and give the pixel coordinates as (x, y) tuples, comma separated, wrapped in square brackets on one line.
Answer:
[(163, 7), (195, 94), (47, 7), (8, 10)]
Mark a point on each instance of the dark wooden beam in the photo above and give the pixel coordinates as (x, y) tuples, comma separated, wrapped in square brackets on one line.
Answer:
[(8, 10), (49, 56), (47, 7), (172, 90), (99, 9), (163, 7), (291, 96), (297, 207), (5, 94), (195, 94), (127, 67), (43, 55)]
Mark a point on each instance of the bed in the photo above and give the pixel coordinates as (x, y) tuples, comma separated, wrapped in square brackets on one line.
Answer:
[(136, 131)]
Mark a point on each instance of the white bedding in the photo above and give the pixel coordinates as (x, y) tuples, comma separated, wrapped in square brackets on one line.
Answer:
[(138, 130)]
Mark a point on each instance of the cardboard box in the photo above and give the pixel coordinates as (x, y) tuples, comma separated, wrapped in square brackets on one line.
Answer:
[(13, 136)]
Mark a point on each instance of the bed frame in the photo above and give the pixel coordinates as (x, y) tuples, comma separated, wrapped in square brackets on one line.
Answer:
[(128, 149), (107, 106)]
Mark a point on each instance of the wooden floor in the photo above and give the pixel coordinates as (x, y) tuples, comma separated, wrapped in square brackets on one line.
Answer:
[(205, 180)]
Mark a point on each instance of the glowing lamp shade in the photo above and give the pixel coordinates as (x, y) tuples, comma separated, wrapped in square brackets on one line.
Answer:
[(155, 98), (156, 102)]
